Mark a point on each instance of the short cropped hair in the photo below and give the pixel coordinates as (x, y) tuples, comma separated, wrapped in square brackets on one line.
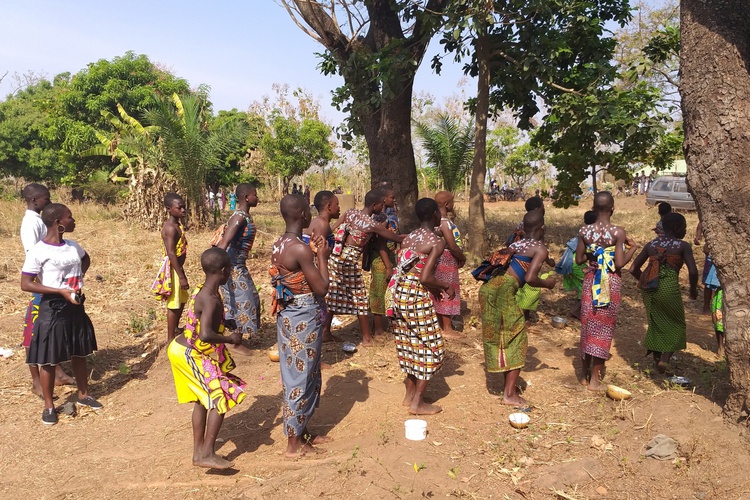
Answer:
[(533, 203), (170, 199), (425, 209), (322, 198), (375, 196), (52, 213)]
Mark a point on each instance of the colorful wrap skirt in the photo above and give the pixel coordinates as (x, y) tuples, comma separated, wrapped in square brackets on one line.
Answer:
[(32, 312), (447, 272), (666, 314), (598, 323), (504, 334), (419, 342), (717, 310), (240, 296), (198, 377), (166, 286), (61, 331), (300, 338), (379, 281), (574, 280), (346, 290)]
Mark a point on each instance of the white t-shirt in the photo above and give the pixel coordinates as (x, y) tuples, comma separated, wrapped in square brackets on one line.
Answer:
[(32, 230), (56, 266)]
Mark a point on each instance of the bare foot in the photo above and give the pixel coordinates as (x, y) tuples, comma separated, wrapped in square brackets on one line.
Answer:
[(596, 386), (452, 334), (424, 409), (241, 349), (378, 333), (514, 401), (304, 450), (317, 440), (661, 367), (64, 379), (368, 342), (583, 379), (213, 461), (35, 389), (408, 399), (328, 338), (720, 353)]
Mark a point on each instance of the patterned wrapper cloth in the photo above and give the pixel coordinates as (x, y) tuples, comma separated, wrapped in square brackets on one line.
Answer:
[(32, 312), (419, 342), (300, 338), (240, 296), (299, 328), (598, 323), (503, 325), (447, 272), (666, 313), (347, 293), (717, 310), (202, 370)]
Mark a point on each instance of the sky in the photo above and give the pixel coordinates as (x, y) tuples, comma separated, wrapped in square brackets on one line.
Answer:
[(239, 48)]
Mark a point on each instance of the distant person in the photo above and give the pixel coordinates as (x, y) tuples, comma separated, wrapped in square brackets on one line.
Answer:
[(307, 195), (202, 365), (664, 209), (55, 268), (451, 260), (240, 296), (232, 201), (171, 283), (419, 342), (649, 181), (642, 183), (601, 244), (660, 289), (294, 188), (211, 199), (32, 232), (572, 272), (299, 277), (503, 323)]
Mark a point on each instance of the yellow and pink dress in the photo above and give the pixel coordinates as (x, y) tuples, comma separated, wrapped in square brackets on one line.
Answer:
[(166, 286), (202, 370)]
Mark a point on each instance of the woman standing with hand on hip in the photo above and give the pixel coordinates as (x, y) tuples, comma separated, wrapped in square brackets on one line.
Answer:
[(54, 268)]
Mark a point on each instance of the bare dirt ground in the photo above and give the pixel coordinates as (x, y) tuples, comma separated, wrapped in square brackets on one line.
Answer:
[(579, 445)]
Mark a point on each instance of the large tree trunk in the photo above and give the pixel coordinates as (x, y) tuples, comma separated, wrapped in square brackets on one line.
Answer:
[(715, 88), (388, 136), (476, 239)]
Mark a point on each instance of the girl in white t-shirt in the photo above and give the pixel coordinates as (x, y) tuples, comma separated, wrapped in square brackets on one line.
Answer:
[(54, 267)]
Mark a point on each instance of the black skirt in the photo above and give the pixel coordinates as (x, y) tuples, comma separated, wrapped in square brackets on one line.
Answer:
[(62, 330)]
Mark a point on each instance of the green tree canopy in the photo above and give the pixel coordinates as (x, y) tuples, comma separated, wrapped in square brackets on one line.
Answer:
[(449, 146), (291, 147)]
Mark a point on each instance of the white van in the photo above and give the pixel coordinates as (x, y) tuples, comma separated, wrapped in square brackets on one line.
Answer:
[(672, 189)]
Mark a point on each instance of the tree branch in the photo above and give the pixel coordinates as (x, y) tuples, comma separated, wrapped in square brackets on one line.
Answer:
[(548, 82)]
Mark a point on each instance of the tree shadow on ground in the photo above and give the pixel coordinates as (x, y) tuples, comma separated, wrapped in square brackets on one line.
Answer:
[(438, 387), (341, 392), (251, 428)]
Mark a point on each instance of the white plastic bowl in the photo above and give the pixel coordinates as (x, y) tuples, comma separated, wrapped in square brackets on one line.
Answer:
[(416, 429), (519, 420)]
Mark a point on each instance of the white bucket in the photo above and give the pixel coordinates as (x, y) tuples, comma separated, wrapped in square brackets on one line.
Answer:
[(416, 429)]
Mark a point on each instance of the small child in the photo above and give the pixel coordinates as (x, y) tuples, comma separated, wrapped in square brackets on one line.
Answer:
[(171, 283), (503, 322), (450, 262), (382, 259), (199, 377), (572, 272)]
